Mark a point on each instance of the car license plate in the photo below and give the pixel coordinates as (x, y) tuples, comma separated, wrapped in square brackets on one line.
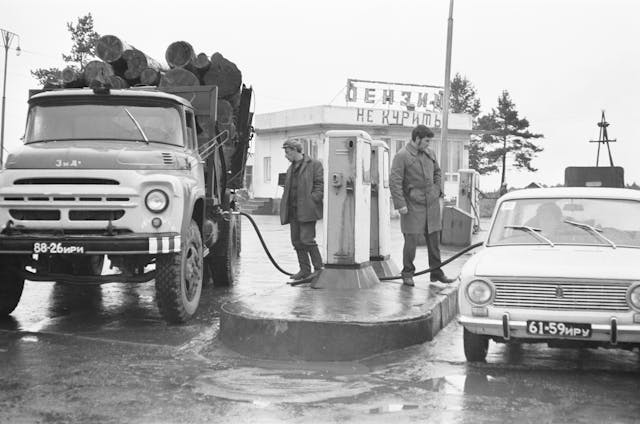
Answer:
[(57, 248), (561, 329)]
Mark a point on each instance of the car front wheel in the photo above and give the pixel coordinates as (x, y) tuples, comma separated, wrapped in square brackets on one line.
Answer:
[(475, 346)]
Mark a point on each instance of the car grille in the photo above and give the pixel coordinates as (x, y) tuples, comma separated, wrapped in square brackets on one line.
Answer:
[(562, 295)]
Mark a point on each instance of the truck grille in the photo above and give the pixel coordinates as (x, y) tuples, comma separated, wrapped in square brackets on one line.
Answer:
[(562, 295), (56, 199), (66, 181), (34, 215), (95, 215)]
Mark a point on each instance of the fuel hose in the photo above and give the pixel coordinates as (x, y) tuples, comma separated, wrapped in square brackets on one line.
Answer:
[(306, 280)]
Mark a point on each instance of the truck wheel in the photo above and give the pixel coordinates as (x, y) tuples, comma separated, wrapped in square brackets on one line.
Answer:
[(222, 261), (179, 279), (475, 346), (11, 285)]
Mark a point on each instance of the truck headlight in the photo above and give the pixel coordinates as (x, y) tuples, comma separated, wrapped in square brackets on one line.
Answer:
[(157, 201), (479, 292), (633, 296)]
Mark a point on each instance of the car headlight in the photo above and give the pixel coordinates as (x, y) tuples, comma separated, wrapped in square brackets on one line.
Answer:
[(157, 201), (633, 296), (479, 292)]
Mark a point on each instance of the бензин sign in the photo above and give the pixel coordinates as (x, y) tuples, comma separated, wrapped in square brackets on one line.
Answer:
[(389, 95)]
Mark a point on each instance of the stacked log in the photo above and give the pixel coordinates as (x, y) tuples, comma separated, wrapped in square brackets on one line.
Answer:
[(180, 54), (137, 62), (97, 72), (110, 49), (150, 76), (127, 62), (225, 74), (202, 63), (72, 78), (178, 77)]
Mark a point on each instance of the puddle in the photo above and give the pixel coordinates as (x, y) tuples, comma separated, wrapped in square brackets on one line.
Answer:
[(265, 387)]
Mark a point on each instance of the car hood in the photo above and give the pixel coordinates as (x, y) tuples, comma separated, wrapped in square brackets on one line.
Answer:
[(557, 262), (97, 155)]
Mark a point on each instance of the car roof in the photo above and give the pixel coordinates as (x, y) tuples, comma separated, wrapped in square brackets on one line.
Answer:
[(142, 92), (573, 192)]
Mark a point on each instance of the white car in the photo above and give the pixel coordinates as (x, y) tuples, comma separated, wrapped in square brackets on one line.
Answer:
[(559, 266)]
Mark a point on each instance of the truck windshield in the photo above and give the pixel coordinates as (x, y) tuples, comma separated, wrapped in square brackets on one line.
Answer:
[(55, 122)]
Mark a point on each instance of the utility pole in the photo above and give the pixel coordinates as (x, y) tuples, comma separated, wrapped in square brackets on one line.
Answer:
[(7, 38), (444, 132)]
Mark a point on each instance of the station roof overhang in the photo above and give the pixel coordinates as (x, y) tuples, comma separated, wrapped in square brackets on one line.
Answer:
[(324, 118)]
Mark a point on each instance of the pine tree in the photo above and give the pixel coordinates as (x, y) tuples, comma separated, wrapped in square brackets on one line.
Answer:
[(503, 132), (463, 97)]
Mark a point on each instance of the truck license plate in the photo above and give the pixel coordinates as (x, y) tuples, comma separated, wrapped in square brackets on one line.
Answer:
[(562, 329), (57, 248)]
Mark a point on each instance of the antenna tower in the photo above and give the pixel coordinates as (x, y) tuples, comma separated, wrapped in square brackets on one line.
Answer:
[(603, 139)]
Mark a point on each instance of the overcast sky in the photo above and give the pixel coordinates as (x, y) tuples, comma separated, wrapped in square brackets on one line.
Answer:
[(562, 61)]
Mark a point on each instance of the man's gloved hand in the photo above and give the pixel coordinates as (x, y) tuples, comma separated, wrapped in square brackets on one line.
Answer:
[(403, 210)]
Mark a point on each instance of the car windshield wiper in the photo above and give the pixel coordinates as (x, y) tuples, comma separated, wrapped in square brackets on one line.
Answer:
[(533, 231), (593, 230), (144, 136)]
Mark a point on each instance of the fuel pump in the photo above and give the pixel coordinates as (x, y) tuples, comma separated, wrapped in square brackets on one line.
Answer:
[(379, 251), (347, 209), (460, 222), (469, 193)]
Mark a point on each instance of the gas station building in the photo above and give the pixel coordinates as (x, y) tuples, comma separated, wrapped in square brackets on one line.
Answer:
[(386, 111)]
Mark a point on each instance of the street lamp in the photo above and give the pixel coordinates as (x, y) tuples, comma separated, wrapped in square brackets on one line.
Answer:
[(7, 38)]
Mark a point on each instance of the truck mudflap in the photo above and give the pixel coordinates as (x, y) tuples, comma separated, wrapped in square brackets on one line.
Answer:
[(122, 244)]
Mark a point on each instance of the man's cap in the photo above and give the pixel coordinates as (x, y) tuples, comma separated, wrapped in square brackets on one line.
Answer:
[(294, 144)]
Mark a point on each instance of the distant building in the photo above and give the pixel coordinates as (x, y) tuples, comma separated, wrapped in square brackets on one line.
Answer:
[(372, 107)]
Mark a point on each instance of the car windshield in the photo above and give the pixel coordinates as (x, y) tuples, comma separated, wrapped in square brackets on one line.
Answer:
[(128, 122), (554, 221)]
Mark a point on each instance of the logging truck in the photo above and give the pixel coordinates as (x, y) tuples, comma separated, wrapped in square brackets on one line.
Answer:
[(143, 177)]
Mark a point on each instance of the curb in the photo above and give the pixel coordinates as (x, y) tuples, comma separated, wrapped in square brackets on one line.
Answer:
[(445, 308)]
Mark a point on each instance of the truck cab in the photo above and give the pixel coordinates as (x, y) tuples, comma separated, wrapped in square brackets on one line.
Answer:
[(136, 176)]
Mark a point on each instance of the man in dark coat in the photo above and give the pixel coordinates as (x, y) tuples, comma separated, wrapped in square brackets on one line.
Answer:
[(416, 189), (301, 206)]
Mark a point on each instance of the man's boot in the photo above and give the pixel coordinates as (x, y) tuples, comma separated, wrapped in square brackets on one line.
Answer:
[(305, 265), (407, 279), (316, 258)]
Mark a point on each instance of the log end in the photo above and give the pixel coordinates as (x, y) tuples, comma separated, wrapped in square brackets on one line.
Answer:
[(109, 48), (179, 54)]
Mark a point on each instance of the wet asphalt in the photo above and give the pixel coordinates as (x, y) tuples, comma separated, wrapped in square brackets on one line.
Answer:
[(72, 354)]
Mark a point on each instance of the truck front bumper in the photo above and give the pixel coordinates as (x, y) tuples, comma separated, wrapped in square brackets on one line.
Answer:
[(122, 244)]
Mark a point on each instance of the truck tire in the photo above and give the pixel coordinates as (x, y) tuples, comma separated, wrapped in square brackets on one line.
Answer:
[(475, 346), (11, 284), (179, 279), (222, 261)]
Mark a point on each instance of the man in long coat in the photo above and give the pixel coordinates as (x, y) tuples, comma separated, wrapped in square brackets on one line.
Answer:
[(301, 206), (416, 188)]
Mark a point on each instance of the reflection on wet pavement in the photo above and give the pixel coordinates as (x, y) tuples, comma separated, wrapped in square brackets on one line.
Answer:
[(151, 372)]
